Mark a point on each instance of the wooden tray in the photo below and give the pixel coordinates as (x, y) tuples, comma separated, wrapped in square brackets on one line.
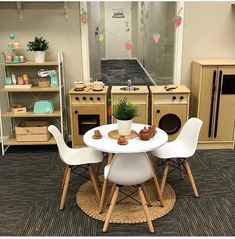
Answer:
[(114, 134)]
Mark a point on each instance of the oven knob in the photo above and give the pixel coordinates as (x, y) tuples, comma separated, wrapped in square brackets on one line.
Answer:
[(98, 98), (91, 98), (181, 97), (84, 98), (77, 98), (75, 111), (158, 111), (174, 98)]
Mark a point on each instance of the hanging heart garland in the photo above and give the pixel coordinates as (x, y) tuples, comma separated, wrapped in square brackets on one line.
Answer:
[(156, 37), (129, 46), (177, 20), (84, 17), (101, 37)]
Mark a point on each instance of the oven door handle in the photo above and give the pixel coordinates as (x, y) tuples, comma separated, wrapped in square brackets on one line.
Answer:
[(212, 103), (218, 104)]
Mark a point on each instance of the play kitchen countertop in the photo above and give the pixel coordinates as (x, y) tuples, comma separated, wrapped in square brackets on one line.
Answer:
[(88, 90)]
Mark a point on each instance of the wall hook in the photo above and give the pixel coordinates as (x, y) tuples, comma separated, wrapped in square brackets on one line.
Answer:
[(20, 10), (66, 11)]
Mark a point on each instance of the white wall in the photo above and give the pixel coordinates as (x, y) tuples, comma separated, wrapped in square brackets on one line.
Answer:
[(209, 32)]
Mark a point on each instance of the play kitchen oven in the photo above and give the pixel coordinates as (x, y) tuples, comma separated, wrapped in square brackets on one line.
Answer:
[(87, 110)]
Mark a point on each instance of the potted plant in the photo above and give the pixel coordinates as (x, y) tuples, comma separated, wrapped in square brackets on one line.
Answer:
[(124, 112), (38, 46)]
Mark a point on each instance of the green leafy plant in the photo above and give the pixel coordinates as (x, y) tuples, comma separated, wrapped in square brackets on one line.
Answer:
[(39, 44), (124, 110)]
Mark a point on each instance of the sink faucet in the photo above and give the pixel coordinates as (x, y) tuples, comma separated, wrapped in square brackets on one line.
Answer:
[(129, 85)]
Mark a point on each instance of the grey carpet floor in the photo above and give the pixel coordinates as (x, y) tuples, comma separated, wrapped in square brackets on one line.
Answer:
[(30, 179)]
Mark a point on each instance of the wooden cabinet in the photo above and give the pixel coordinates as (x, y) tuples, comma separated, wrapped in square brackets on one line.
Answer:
[(213, 101), (138, 98)]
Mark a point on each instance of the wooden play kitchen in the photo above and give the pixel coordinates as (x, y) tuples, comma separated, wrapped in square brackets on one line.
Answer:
[(88, 109), (138, 97), (170, 108), (213, 101)]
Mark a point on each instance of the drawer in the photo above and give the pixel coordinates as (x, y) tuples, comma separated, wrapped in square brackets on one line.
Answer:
[(88, 99), (170, 98), (134, 98)]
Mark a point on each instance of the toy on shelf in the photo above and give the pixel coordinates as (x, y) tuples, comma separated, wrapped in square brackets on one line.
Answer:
[(14, 45), (19, 108), (51, 74), (17, 82)]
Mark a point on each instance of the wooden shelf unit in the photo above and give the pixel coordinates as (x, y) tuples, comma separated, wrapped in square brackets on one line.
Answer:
[(58, 115), (12, 141), (33, 89)]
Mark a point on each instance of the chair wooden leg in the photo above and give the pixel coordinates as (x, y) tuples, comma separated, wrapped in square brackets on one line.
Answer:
[(191, 179), (103, 195), (112, 192), (146, 195), (94, 181), (65, 172), (146, 211), (156, 184), (65, 188), (181, 168), (113, 202), (164, 177)]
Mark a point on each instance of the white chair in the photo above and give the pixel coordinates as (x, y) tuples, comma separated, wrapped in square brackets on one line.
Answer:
[(75, 157), (183, 147), (126, 170)]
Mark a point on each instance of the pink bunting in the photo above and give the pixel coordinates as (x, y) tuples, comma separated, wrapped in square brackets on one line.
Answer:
[(156, 37), (177, 20), (129, 46), (84, 18)]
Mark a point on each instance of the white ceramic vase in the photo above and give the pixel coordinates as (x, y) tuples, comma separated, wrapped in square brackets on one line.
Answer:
[(124, 126), (39, 56)]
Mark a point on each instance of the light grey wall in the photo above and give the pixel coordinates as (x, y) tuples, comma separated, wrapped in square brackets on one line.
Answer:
[(209, 32), (46, 19)]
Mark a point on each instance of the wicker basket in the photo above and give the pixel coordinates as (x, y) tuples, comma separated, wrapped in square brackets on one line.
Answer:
[(43, 83)]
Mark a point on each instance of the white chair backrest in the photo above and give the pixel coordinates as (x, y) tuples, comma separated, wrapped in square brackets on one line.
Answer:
[(189, 134), (130, 169), (62, 147)]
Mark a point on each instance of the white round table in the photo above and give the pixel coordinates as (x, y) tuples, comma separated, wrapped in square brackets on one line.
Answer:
[(136, 145)]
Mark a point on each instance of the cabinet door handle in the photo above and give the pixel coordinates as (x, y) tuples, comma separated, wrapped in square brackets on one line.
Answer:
[(217, 105), (158, 111), (212, 103)]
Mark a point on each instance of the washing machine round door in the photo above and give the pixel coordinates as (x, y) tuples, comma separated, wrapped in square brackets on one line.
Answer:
[(170, 123)]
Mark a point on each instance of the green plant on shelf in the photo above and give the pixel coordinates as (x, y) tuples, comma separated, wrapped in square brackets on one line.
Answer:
[(39, 44)]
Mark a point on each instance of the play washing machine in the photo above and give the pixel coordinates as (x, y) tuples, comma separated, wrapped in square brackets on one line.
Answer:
[(170, 108)]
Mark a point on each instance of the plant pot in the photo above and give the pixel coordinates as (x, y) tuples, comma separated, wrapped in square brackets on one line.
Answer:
[(39, 56), (124, 126)]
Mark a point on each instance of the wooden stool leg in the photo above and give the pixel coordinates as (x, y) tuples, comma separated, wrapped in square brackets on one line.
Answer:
[(93, 179), (112, 192), (65, 189), (103, 194), (146, 211), (65, 172), (191, 179), (181, 168), (146, 195), (156, 184), (113, 202), (164, 177)]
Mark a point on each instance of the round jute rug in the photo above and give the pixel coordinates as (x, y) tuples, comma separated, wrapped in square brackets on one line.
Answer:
[(127, 210)]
